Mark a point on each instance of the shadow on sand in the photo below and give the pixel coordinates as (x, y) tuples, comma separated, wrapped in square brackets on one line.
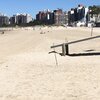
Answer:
[(55, 52), (78, 54), (85, 54)]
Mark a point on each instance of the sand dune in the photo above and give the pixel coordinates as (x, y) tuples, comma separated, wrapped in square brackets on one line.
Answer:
[(28, 70)]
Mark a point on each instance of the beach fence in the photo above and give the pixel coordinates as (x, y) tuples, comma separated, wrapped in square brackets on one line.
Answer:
[(65, 46)]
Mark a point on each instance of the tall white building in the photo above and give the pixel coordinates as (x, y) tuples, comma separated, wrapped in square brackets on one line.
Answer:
[(28, 18)]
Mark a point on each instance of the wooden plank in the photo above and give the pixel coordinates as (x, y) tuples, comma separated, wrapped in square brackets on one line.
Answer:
[(81, 40)]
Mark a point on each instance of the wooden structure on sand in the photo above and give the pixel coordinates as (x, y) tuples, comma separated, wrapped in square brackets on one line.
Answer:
[(65, 46)]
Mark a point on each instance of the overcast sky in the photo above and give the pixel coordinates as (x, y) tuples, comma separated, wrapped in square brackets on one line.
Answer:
[(10, 7)]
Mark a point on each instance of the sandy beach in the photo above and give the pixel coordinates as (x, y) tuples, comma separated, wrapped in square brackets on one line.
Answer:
[(28, 69)]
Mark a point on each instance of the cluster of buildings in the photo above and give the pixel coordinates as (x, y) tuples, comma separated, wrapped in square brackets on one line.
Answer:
[(74, 17), (79, 16), (57, 17), (19, 19), (45, 17)]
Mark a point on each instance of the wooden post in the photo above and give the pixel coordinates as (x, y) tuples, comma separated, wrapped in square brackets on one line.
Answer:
[(91, 30), (65, 49)]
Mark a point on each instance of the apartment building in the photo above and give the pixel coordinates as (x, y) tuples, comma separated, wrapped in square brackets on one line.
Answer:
[(60, 17), (20, 19), (46, 17), (78, 16), (57, 17), (4, 20)]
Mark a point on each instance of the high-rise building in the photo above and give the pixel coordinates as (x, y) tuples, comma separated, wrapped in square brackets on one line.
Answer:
[(4, 20), (20, 19), (46, 17), (78, 15), (13, 19), (60, 17), (57, 17)]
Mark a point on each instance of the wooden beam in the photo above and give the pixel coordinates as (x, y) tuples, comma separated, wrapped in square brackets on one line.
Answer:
[(81, 40)]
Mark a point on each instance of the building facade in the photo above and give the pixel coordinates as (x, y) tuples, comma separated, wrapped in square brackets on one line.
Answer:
[(4, 20), (60, 17), (46, 17), (20, 19), (57, 17), (78, 16)]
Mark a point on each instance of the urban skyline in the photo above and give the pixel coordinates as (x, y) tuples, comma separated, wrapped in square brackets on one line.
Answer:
[(34, 6)]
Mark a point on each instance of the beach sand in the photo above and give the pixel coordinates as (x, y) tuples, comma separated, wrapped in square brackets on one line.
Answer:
[(28, 69)]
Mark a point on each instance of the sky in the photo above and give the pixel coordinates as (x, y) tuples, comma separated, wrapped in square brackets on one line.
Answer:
[(10, 7)]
